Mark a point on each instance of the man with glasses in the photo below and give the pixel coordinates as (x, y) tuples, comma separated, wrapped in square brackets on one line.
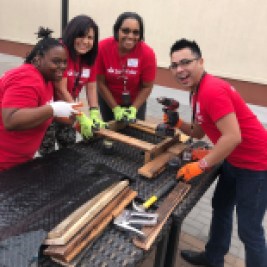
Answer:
[(240, 141)]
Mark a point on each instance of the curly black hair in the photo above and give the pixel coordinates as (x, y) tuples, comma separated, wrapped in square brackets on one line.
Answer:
[(45, 44)]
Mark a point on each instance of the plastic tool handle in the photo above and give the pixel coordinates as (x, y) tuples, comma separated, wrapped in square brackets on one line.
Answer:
[(162, 191)]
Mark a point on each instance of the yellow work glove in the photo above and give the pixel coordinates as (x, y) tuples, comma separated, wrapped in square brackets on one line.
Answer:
[(86, 125), (118, 113), (130, 114), (97, 120), (189, 171)]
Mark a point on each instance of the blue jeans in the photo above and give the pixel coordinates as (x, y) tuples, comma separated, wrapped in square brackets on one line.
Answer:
[(247, 190)]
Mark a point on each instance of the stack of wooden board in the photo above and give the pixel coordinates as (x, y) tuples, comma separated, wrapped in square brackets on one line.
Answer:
[(68, 239)]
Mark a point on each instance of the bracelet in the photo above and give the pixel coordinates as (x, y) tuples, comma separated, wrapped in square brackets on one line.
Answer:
[(203, 164), (93, 108), (179, 123)]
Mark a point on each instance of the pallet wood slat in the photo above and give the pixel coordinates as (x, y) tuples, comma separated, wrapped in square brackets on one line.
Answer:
[(163, 146), (150, 128), (87, 216), (74, 216), (164, 211), (89, 233), (146, 146), (158, 164)]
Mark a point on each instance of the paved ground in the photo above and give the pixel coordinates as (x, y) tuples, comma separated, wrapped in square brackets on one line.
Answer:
[(196, 226)]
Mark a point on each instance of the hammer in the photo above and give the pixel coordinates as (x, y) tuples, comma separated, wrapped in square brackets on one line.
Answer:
[(152, 199)]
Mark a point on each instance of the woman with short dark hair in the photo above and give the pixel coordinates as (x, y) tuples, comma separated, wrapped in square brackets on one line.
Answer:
[(126, 69)]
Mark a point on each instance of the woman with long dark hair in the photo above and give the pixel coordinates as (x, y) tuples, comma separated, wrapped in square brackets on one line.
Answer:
[(80, 39)]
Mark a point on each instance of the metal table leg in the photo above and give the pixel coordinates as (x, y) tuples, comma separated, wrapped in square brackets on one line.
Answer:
[(161, 251), (173, 243)]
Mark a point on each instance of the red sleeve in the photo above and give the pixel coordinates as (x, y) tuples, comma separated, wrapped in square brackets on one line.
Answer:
[(218, 103), (22, 92)]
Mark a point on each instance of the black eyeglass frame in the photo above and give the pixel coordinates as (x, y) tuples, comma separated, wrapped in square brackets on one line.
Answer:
[(128, 31), (183, 63)]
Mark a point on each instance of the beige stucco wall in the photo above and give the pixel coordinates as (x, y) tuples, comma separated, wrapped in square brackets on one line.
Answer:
[(232, 34), (20, 19)]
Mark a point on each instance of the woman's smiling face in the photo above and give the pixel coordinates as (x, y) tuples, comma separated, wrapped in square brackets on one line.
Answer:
[(128, 35)]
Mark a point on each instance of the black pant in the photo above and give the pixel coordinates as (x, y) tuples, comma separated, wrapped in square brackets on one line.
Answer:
[(107, 113)]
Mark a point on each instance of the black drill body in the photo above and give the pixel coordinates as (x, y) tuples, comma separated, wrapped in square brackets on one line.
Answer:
[(170, 109)]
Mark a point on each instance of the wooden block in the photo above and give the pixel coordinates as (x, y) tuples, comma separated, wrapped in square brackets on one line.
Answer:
[(155, 166), (158, 164), (162, 146), (86, 217), (164, 211)]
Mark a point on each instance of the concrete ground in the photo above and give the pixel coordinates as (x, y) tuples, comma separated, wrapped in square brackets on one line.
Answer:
[(196, 226)]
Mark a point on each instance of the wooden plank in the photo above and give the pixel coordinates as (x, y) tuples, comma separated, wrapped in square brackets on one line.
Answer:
[(155, 166), (74, 216), (158, 164), (87, 216), (164, 211), (150, 127), (146, 146), (143, 126), (62, 250), (162, 146), (177, 149), (88, 234)]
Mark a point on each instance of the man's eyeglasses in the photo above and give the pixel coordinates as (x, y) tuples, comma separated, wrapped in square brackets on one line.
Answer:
[(183, 63), (128, 31)]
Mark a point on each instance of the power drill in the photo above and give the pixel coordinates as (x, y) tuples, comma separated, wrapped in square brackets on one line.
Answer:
[(170, 107)]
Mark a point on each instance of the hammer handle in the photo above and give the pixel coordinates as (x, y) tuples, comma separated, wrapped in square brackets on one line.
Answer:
[(162, 191)]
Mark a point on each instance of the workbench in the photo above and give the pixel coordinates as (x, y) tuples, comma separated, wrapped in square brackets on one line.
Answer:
[(36, 196)]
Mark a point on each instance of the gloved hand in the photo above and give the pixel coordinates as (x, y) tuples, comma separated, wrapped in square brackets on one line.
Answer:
[(130, 114), (189, 171), (176, 122), (86, 125), (64, 109), (118, 112), (95, 116)]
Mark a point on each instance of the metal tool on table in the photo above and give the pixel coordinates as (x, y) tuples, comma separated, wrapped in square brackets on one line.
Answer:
[(130, 220), (170, 110), (152, 199), (127, 220)]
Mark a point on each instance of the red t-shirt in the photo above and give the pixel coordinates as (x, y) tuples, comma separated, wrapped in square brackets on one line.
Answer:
[(215, 99), (138, 66), (84, 73), (22, 87)]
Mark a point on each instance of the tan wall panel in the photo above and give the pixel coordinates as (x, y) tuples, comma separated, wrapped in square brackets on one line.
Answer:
[(20, 19), (232, 34)]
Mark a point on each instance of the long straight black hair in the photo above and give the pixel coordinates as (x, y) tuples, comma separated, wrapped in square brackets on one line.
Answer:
[(78, 27)]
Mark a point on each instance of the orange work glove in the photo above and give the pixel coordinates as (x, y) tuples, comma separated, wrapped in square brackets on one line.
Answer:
[(189, 171), (199, 153), (178, 123)]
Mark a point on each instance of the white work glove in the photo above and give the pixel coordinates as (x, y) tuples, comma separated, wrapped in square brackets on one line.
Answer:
[(63, 109)]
